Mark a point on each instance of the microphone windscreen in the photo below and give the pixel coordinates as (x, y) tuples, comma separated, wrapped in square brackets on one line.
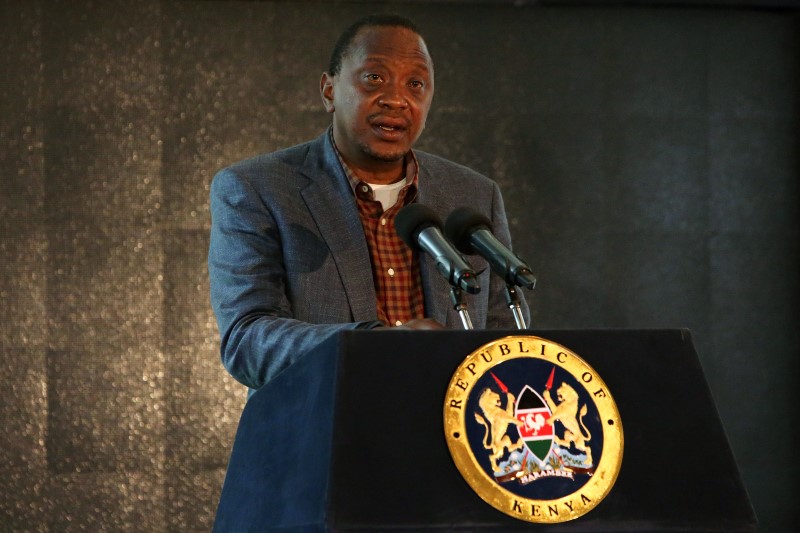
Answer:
[(460, 225), (412, 219)]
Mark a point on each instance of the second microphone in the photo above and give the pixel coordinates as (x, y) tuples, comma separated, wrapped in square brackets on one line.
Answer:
[(421, 229)]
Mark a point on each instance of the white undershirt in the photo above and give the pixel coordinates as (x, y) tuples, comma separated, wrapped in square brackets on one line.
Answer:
[(387, 194)]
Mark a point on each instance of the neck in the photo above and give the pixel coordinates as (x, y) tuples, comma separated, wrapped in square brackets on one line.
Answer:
[(376, 171), (371, 169), (382, 176)]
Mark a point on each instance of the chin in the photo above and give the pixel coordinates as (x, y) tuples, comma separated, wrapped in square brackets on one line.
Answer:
[(392, 158), (389, 156)]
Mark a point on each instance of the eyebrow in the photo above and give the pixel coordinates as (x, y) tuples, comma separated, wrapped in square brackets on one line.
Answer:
[(426, 66)]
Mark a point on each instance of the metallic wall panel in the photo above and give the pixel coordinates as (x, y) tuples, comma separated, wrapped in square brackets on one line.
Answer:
[(23, 270), (238, 82), (102, 501), (203, 401), (102, 112)]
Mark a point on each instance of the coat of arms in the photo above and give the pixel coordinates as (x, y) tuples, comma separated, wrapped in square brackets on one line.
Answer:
[(529, 425)]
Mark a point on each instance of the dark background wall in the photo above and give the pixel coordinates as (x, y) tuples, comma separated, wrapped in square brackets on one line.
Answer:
[(648, 157)]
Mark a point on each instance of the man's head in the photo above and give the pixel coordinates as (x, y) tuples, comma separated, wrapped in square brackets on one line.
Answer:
[(379, 88), (346, 38)]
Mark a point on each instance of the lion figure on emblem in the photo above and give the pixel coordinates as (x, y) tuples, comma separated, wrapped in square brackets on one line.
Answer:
[(566, 412), (496, 422)]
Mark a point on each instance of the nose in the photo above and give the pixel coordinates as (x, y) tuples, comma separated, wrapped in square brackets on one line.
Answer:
[(393, 97)]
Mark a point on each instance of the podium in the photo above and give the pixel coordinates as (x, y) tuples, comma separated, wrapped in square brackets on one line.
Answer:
[(351, 438)]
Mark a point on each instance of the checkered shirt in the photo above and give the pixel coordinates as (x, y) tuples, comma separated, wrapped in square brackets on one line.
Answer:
[(395, 267)]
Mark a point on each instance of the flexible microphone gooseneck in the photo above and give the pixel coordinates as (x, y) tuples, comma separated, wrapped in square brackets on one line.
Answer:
[(471, 233), (420, 229)]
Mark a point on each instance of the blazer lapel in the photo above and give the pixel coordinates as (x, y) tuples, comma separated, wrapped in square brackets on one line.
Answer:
[(332, 205), (436, 288)]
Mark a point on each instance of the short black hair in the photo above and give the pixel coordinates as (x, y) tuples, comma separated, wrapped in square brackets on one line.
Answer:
[(342, 45)]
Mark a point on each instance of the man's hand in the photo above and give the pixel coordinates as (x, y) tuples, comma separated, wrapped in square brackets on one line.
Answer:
[(421, 323)]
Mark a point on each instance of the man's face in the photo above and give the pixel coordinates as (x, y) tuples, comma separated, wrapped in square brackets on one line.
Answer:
[(381, 96)]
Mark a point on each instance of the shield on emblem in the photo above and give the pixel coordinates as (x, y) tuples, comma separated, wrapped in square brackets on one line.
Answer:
[(535, 430)]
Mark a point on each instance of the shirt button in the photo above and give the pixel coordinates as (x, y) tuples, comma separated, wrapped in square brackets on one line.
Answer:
[(365, 188), (383, 222), (390, 272), (398, 323)]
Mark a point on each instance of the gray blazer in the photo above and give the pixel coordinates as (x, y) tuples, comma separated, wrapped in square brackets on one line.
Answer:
[(289, 264)]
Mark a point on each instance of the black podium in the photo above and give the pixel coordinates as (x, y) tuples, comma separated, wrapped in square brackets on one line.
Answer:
[(351, 438)]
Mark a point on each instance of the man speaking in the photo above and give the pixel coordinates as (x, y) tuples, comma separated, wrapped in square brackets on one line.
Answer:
[(303, 241)]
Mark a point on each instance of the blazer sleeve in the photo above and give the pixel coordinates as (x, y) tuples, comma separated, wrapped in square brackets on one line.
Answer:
[(259, 335)]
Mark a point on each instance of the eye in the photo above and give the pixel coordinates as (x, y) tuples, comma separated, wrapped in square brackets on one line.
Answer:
[(416, 84), (373, 78)]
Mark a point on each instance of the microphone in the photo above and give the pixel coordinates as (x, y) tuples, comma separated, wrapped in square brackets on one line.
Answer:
[(420, 229), (471, 233)]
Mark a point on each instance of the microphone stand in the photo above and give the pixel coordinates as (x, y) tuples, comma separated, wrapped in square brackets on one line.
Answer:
[(457, 299), (512, 299)]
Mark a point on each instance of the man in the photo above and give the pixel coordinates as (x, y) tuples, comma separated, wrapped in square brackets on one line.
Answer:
[(303, 244)]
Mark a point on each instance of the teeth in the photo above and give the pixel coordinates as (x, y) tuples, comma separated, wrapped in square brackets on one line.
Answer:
[(387, 128)]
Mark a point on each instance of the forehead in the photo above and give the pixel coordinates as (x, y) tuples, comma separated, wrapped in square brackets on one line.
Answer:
[(389, 43)]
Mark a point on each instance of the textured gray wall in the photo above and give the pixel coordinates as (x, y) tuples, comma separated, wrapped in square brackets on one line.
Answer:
[(649, 162)]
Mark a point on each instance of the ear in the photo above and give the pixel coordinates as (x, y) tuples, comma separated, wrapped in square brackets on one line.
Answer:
[(326, 91)]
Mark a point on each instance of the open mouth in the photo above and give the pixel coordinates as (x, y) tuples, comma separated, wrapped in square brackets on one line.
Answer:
[(389, 126), (389, 132)]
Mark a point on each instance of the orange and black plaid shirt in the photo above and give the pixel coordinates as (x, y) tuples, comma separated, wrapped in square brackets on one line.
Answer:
[(395, 269)]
